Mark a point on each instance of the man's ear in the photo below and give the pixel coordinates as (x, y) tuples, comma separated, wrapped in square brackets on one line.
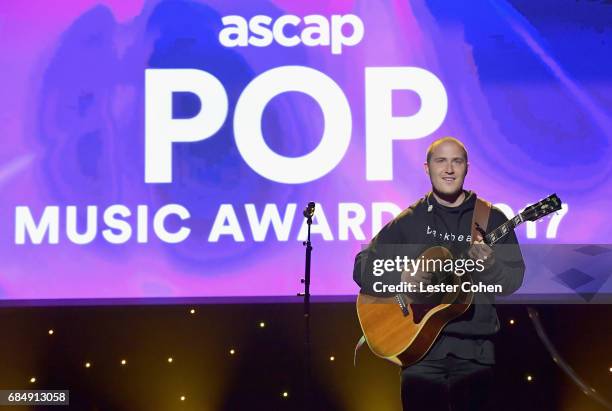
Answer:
[(426, 167)]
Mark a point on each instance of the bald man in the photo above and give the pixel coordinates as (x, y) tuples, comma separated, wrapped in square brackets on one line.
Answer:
[(456, 373)]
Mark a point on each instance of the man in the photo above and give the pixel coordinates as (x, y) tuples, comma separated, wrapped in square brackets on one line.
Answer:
[(456, 373)]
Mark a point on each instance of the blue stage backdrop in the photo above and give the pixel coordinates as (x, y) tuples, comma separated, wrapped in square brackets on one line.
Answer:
[(167, 148)]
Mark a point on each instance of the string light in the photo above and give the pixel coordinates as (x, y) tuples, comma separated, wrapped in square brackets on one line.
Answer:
[(262, 324), (51, 331), (232, 351), (285, 394), (332, 358), (183, 398), (192, 311), (529, 378), (123, 362), (511, 322), (87, 364), (33, 380), (170, 359)]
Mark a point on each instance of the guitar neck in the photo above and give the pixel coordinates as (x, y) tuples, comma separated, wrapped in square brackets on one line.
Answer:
[(503, 230), (533, 212)]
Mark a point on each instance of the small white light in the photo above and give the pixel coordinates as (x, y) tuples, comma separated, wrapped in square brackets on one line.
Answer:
[(511, 322), (332, 358), (33, 380), (87, 365), (170, 359), (232, 351), (123, 362), (285, 394), (183, 398), (529, 378), (262, 324), (51, 331), (192, 311)]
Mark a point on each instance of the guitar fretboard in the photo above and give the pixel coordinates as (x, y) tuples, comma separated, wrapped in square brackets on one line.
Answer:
[(503, 230)]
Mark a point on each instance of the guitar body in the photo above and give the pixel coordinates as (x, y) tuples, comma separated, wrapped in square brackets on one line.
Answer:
[(404, 336)]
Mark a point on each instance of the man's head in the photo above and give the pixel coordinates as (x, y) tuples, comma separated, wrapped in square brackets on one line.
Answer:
[(447, 165)]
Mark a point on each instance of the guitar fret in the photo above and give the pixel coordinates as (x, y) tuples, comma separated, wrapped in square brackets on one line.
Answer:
[(501, 231)]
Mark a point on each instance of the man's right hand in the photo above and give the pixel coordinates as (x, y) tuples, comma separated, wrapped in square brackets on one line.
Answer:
[(423, 277), (419, 277)]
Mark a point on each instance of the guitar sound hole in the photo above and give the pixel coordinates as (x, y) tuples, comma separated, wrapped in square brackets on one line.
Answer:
[(420, 310)]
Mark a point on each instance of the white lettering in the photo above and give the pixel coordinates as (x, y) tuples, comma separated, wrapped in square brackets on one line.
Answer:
[(382, 128), (261, 31), (250, 140), (238, 35), (160, 218), (319, 226), (259, 228), (91, 225), (259, 26), (278, 30), (350, 217), (161, 130), (226, 223), (338, 37), (124, 230), (553, 225), (378, 209), (49, 223)]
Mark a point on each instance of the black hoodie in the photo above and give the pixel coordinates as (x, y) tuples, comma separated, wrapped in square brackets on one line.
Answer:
[(429, 223)]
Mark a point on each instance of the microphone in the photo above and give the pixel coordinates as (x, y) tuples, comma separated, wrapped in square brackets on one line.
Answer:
[(309, 210)]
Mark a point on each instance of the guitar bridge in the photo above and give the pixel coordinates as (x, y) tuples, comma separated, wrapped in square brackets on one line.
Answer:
[(403, 305)]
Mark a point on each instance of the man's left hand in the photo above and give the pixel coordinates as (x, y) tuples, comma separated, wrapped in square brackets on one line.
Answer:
[(481, 251)]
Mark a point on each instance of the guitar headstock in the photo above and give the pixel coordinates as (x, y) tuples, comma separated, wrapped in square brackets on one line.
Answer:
[(542, 208)]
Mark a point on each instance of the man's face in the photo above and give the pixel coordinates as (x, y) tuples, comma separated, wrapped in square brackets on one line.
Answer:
[(447, 168)]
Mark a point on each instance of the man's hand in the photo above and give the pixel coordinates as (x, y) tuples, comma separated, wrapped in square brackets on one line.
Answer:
[(481, 251), (418, 277)]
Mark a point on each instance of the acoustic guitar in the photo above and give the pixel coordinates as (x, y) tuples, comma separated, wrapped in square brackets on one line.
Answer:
[(403, 332)]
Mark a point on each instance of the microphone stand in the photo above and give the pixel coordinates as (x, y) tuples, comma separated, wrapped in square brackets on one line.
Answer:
[(308, 214)]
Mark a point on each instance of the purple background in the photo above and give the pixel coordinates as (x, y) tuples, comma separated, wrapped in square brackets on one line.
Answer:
[(529, 93)]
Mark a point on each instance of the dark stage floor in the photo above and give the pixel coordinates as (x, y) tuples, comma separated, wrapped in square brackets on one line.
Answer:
[(264, 370)]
